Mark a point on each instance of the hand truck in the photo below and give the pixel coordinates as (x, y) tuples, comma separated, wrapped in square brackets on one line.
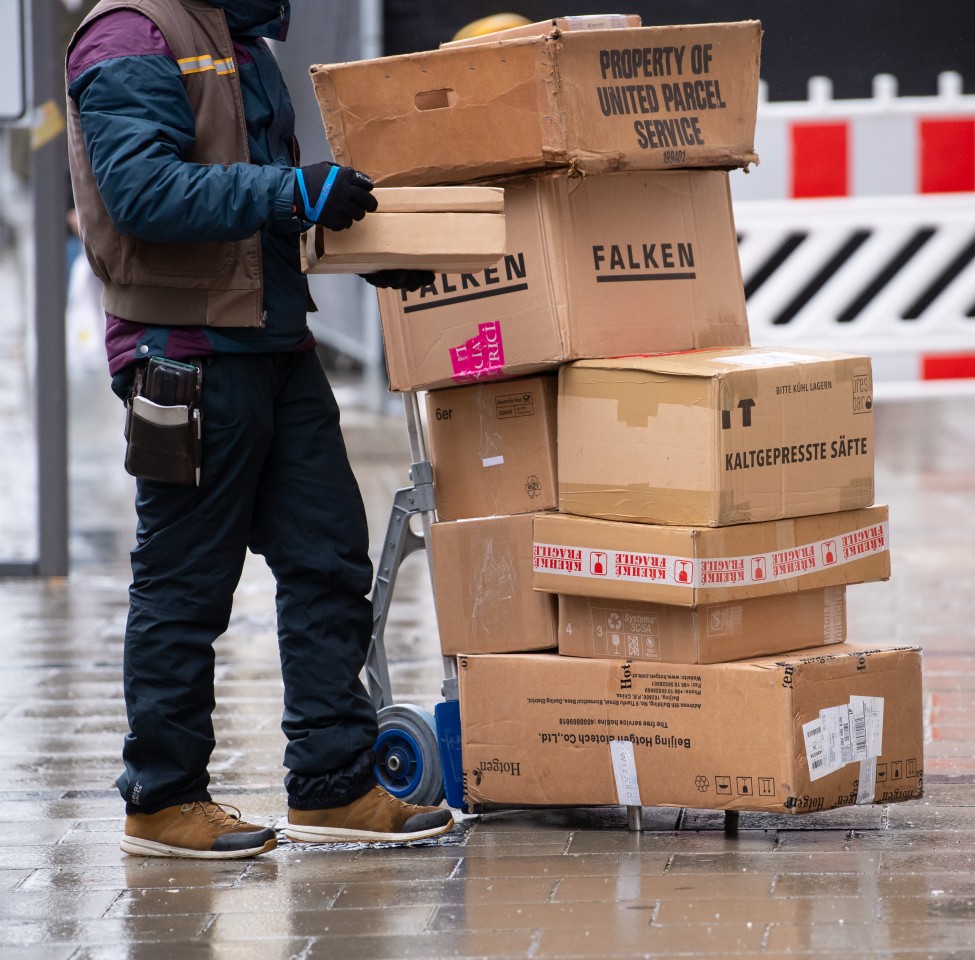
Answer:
[(418, 755)]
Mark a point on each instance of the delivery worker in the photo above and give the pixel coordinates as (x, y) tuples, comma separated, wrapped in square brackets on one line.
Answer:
[(191, 199)]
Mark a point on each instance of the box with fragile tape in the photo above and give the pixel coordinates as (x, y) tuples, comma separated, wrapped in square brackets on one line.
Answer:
[(817, 729), (414, 228), (716, 437), (712, 633), (580, 277), (492, 446), (647, 98), (689, 566)]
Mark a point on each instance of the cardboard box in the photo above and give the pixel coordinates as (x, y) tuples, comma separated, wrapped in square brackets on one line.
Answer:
[(556, 295), (552, 28), (482, 571), (692, 566), (712, 633), (594, 100), (818, 729), (492, 446), (415, 228), (716, 437)]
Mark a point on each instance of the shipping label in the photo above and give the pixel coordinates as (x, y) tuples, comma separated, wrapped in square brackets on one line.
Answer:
[(712, 572), (848, 733)]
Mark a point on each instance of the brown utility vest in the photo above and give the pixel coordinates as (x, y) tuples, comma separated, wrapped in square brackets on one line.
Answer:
[(201, 284)]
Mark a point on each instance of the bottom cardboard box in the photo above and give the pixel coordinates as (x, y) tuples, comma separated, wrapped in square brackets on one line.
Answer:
[(712, 633), (821, 728)]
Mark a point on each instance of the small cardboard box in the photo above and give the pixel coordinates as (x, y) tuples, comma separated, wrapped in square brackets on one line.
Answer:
[(483, 587), (713, 633), (716, 437), (692, 566), (559, 292), (492, 446), (415, 228), (552, 28), (814, 730), (595, 100)]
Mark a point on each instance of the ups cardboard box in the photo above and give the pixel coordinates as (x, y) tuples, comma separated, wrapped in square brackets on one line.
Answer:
[(712, 633), (552, 28), (482, 586), (692, 566), (415, 228), (579, 279), (492, 446), (716, 437), (814, 730), (596, 100)]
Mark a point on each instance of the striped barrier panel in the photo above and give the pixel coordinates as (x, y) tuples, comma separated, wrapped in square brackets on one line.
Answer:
[(857, 229), (891, 277)]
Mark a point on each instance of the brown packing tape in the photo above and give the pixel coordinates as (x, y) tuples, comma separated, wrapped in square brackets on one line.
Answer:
[(634, 397), (643, 504), (856, 494)]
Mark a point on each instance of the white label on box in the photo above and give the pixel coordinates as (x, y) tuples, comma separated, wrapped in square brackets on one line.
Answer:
[(492, 461), (769, 359), (624, 769), (868, 777), (848, 733), (712, 572)]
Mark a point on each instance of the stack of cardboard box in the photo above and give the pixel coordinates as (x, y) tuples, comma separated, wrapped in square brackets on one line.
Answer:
[(673, 529)]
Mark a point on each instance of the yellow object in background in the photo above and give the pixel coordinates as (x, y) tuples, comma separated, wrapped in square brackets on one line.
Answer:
[(492, 24)]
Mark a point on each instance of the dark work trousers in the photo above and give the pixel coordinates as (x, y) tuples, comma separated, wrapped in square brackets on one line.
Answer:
[(275, 478)]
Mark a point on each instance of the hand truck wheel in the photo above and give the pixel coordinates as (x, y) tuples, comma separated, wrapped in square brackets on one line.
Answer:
[(408, 755)]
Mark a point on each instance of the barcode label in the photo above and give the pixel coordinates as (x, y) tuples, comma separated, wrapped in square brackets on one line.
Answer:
[(849, 733)]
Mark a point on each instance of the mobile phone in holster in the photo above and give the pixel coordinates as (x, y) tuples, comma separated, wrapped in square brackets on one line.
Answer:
[(163, 425)]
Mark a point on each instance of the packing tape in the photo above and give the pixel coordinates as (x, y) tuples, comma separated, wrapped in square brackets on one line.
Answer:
[(624, 771), (712, 572)]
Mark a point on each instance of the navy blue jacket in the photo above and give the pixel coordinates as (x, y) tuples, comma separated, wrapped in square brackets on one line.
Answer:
[(137, 123)]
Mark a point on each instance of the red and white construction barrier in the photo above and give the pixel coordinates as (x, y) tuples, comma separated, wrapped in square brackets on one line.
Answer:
[(857, 229)]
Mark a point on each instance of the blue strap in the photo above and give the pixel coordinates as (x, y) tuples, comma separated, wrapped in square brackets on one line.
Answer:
[(315, 212)]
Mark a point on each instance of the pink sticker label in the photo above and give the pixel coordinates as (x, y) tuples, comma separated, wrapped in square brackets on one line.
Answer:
[(480, 357)]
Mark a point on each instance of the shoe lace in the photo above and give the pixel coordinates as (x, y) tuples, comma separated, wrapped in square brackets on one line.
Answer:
[(215, 812), (399, 803)]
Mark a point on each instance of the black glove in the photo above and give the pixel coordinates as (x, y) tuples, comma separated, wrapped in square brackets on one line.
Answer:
[(331, 195), (400, 279)]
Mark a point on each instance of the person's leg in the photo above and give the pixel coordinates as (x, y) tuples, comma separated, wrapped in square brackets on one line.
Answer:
[(191, 543), (310, 524)]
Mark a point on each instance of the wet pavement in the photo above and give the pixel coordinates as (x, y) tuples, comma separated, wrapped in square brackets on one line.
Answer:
[(893, 881)]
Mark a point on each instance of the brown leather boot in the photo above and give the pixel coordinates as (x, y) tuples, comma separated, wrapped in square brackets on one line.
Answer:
[(375, 818), (201, 829)]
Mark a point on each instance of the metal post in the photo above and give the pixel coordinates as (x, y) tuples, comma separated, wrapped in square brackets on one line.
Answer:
[(48, 180)]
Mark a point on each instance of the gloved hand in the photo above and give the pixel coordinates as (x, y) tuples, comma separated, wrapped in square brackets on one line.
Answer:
[(331, 195), (400, 279)]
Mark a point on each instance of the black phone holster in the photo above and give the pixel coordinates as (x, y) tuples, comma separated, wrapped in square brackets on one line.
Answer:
[(163, 425)]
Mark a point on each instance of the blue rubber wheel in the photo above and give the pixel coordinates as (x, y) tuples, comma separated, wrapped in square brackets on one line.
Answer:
[(408, 755)]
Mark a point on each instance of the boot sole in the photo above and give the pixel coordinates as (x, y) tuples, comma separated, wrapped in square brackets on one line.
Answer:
[(343, 835), (137, 847)]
